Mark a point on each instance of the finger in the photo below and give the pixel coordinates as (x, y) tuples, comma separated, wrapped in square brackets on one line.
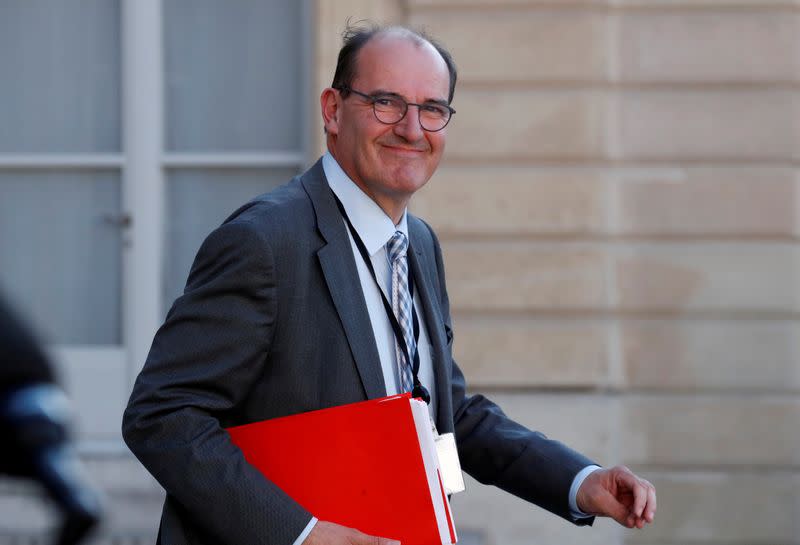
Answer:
[(650, 508), (639, 491), (648, 515)]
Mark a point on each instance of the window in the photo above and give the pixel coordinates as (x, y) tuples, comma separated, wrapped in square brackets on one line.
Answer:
[(131, 128)]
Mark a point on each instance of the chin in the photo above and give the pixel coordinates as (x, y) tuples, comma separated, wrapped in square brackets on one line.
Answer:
[(409, 180), (408, 187)]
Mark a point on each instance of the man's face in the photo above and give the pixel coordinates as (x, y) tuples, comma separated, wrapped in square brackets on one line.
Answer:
[(389, 162)]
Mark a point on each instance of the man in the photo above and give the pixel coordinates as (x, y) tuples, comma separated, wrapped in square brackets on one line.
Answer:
[(282, 314)]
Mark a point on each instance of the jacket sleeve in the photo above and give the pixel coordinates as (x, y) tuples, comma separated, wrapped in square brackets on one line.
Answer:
[(203, 361), (496, 450)]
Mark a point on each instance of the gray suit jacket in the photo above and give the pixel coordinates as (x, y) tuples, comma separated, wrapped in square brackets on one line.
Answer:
[(273, 322)]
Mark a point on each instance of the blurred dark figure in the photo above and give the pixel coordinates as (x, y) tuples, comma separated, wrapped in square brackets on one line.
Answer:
[(33, 429)]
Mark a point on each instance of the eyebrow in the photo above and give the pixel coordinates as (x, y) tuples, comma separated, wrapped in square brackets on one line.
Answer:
[(384, 92)]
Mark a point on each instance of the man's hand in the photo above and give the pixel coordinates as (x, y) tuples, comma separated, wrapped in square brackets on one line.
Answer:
[(328, 533), (619, 494)]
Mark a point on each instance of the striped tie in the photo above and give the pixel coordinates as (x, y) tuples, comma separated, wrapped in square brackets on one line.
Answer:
[(402, 305)]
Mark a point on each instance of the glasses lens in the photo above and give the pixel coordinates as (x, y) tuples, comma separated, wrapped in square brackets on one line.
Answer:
[(433, 117), (389, 109)]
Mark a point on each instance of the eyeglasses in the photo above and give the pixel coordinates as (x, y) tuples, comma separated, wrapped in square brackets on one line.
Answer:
[(391, 109)]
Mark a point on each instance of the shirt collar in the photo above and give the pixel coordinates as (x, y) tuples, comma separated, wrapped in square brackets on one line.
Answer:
[(370, 222)]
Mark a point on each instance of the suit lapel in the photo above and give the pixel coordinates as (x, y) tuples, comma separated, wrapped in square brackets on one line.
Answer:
[(422, 267), (339, 268)]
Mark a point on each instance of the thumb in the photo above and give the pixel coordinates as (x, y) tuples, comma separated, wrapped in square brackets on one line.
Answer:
[(608, 505)]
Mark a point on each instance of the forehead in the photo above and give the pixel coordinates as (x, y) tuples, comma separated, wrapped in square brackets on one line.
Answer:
[(402, 65)]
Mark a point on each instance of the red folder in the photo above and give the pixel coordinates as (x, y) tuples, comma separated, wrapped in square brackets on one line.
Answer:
[(371, 466)]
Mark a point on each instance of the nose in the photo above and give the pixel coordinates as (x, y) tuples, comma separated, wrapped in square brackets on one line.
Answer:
[(409, 127)]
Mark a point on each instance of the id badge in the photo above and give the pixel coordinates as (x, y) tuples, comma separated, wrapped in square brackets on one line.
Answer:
[(450, 467)]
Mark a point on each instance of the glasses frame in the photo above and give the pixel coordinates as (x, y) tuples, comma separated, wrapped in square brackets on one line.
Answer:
[(372, 99)]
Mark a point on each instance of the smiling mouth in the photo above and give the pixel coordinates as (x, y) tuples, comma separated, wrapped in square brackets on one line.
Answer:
[(398, 149)]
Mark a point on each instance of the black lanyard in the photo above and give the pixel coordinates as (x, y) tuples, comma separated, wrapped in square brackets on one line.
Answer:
[(419, 390)]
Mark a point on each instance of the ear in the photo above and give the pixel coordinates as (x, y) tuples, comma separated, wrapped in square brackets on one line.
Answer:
[(329, 103)]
